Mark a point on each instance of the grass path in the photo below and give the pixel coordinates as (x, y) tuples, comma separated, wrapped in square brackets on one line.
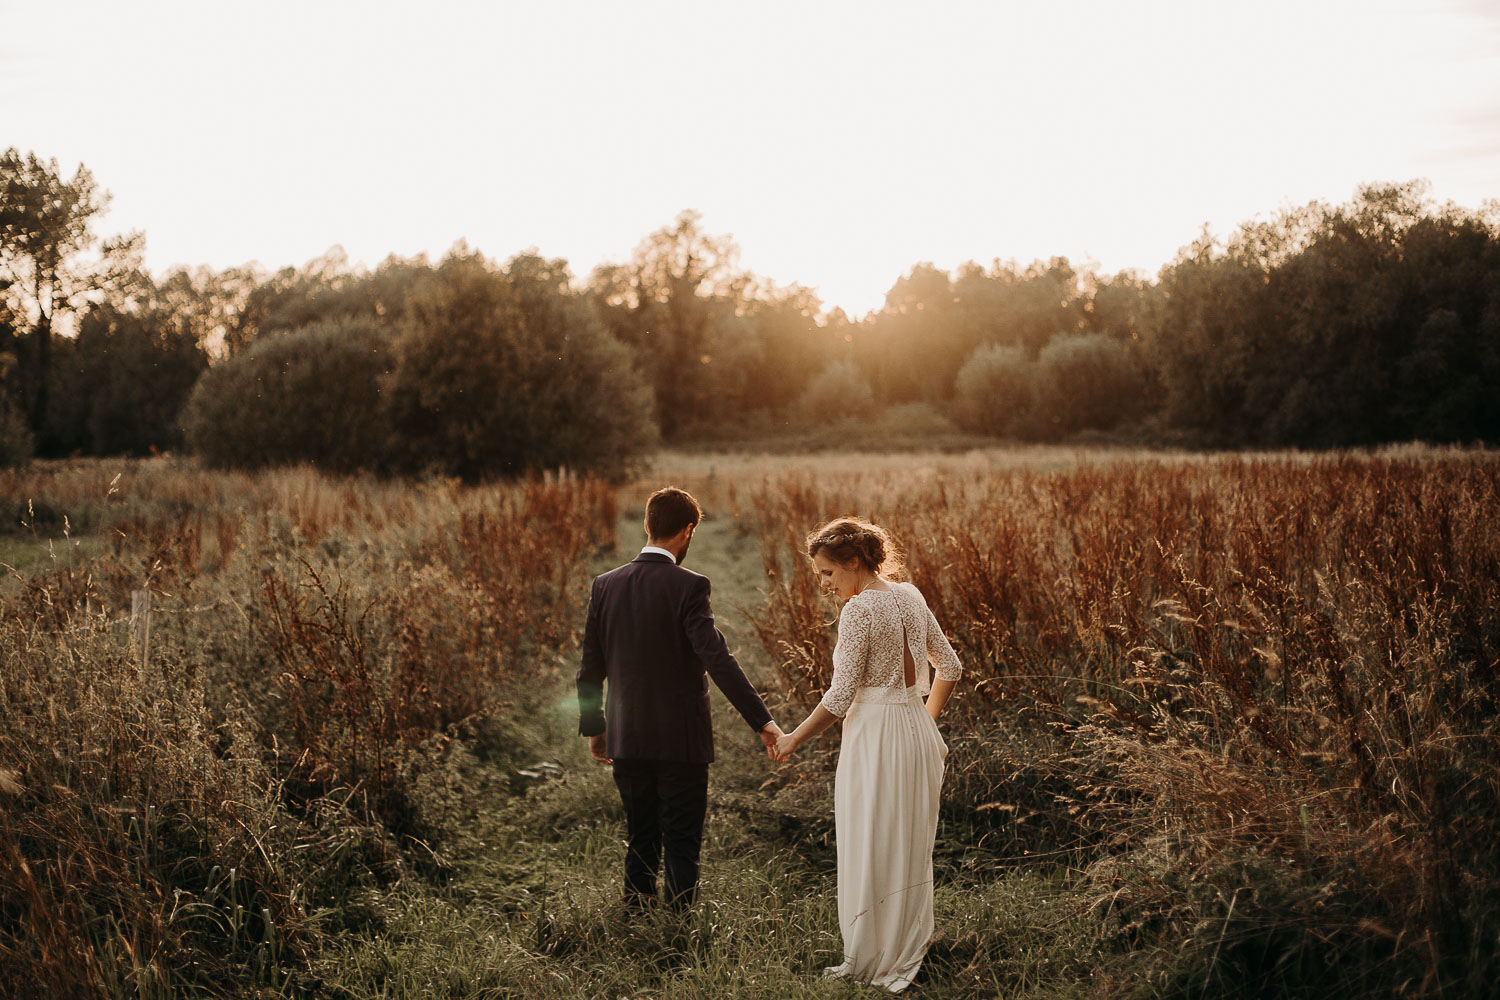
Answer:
[(532, 908)]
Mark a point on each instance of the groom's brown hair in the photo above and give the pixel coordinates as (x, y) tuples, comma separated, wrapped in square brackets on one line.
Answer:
[(669, 511)]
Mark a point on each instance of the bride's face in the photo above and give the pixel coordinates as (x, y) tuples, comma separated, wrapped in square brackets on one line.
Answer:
[(840, 580)]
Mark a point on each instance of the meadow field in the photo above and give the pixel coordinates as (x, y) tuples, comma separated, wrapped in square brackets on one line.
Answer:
[(1228, 728)]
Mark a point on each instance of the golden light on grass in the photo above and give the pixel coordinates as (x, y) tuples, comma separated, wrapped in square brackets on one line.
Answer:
[(1222, 692)]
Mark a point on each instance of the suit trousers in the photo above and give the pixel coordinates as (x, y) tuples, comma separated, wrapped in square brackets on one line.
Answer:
[(665, 801)]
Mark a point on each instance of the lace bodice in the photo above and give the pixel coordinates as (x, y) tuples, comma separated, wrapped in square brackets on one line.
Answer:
[(868, 653)]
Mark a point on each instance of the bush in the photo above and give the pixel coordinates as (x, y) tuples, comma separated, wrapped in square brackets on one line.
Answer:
[(994, 390), (838, 392), (308, 395), (1086, 382), (501, 372)]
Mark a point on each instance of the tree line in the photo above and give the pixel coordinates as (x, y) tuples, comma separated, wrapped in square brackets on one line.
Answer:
[(1372, 321)]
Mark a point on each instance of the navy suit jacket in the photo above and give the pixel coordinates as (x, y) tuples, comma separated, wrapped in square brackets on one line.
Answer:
[(650, 634)]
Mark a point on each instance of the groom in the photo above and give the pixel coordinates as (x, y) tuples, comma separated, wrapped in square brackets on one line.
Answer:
[(650, 633)]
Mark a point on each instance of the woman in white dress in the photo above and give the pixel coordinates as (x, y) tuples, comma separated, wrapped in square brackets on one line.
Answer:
[(890, 768)]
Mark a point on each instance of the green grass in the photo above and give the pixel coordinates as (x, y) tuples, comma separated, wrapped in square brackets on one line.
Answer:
[(27, 555)]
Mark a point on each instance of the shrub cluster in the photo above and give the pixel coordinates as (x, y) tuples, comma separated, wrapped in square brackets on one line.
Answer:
[(1079, 382), (500, 373), (310, 395), (839, 392), (489, 372)]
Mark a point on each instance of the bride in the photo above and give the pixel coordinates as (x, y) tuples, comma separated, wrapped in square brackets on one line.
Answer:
[(890, 765)]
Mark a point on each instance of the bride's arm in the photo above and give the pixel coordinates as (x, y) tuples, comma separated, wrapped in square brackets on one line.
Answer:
[(848, 666), (941, 689), (817, 720), (941, 655)]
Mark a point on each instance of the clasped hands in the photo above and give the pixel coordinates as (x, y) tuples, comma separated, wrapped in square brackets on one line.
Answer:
[(779, 745)]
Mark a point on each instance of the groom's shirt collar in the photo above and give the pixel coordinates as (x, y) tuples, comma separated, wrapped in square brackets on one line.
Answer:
[(656, 550)]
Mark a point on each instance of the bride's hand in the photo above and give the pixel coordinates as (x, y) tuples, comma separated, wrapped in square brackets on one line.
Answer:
[(785, 747)]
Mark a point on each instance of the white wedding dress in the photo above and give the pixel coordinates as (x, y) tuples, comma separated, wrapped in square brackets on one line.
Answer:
[(890, 772)]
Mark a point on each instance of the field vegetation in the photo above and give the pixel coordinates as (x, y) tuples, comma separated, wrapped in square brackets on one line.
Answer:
[(198, 812), (1249, 704), (1227, 728)]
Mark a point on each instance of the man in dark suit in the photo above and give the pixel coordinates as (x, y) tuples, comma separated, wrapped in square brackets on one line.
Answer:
[(650, 633)]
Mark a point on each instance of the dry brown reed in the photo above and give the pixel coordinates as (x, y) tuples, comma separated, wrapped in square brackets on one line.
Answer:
[(187, 822), (139, 842), (480, 619), (1290, 658)]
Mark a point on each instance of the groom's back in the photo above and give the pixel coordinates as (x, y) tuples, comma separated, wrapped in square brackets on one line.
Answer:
[(657, 692), (640, 614)]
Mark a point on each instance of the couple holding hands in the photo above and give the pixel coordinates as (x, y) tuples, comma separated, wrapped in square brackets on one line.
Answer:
[(649, 647)]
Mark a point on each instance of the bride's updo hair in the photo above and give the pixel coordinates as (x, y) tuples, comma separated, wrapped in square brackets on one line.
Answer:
[(853, 539)]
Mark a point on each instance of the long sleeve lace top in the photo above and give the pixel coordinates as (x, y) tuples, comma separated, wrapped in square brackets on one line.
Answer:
[(868, 654)]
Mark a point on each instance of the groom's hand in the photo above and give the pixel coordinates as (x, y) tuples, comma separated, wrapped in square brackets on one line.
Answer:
[(597, 750), (769, 734)]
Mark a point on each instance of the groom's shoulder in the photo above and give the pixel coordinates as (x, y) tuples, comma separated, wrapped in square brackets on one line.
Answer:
[(654, 567), (613, 574), (679, 575)]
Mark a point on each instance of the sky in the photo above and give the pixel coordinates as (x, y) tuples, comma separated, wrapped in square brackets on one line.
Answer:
[(837, 143)]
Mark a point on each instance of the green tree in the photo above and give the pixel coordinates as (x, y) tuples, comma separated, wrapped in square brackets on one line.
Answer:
[(51, 260), (995, 390), (1208, 300), (232, 308), (791, 343), (129, 373), (1086, 381), (211, 304), (904, 346), (314, 394), (16, 441), (1027, 306), (679, 304), (933, 322), (1325, 326), (504, 371), (1116, 304), (838, 392)]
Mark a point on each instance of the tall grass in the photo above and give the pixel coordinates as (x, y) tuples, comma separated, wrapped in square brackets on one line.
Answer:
[(1257, 695), (198, 821), (1227, 729)]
